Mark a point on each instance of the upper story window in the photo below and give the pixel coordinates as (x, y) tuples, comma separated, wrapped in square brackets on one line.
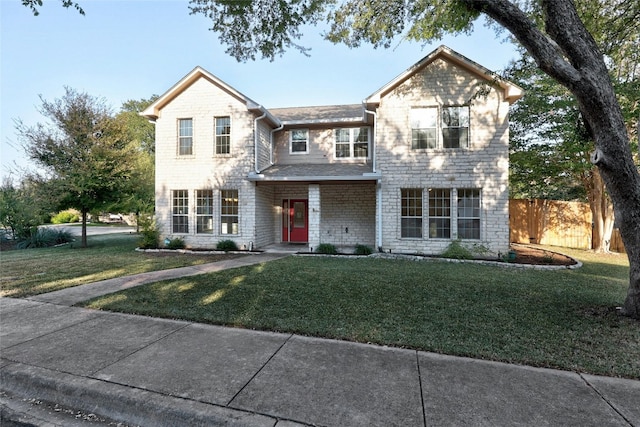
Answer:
[(223, 135), (455, 127), (352, 142), (299, 141), (451, 130), (424, 127), (185, 137)]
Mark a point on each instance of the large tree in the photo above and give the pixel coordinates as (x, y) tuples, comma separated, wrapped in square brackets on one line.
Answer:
[(82, 152), (552, 32)]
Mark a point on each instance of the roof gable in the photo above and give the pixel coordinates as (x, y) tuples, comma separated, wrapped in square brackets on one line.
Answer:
[(512, 92), (153, 111)]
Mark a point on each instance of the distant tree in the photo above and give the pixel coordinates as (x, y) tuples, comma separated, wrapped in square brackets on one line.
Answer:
[(552, 31), (141, 134), (84, 153), (22, 209)]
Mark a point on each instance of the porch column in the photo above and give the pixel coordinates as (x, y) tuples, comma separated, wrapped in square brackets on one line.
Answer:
[(314, 216)]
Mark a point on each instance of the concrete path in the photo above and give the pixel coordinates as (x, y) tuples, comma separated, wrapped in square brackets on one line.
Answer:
[(155, 372)]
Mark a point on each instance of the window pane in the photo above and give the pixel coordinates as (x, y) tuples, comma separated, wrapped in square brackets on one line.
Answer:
[(455, 127), (204, 211), (185, 137), (223, 135), (468, 213), (342, 135), (424, 127), (411, 213), (342, 150), (440, 213), (229, 211), (299, 140), (180, 211), (361, 150)]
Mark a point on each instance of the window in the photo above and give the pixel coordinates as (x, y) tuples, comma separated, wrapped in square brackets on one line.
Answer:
[(180, 211), (455, 127), (352, 142), (424, 122), (469, 213), (411, 216), (299, 141), (223, 135), (204, 211), (229, 211), (185, 137), (439, 213)]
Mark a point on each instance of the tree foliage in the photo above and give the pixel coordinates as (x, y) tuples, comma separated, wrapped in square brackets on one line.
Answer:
[(84, 154), (35, 5)]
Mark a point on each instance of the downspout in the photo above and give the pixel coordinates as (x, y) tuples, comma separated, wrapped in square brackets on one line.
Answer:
[(255, 140), (271, 142), (378, 182)]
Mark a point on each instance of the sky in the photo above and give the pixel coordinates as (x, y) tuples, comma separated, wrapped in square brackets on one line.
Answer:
[(131, 49)]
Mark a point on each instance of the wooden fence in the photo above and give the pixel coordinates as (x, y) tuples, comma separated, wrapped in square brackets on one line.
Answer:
[(554, 222)]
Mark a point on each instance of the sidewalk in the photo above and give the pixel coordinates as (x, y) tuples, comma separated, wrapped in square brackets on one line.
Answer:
[(158, 372)]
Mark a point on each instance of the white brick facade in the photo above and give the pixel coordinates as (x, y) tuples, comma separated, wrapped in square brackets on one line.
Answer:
[(348, 201)]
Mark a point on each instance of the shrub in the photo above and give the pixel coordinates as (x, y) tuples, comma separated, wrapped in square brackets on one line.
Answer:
[(227, 245), (149, 233), (45, 237), (363, 250), (326, 248), (65, 217), (457, 251), (176, 243)]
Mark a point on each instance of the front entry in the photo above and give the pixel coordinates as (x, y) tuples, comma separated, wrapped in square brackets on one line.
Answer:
[(295, 221)]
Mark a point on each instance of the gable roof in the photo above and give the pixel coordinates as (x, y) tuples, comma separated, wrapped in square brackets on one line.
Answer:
[(512, 91), (153, 111)]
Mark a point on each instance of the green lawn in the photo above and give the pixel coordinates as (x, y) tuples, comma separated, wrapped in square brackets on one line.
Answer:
[(35, 271), (562, 319)]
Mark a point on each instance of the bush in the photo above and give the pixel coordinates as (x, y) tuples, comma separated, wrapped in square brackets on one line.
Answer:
[(326, 248), (149, 232), (457, 251), (65, 217), (363, 250), (176, 243), (227, 245), (45, 237)]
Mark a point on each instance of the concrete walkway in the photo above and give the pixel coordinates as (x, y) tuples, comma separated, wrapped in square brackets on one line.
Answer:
[(155, 372)]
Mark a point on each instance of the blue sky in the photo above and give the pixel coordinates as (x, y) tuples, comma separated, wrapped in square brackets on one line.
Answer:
[(124, 49)]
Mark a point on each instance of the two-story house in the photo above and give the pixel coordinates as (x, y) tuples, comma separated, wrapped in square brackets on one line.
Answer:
[(419, 163)]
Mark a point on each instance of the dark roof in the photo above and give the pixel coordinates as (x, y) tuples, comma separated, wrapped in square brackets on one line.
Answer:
[(320, 114), (317, 172)]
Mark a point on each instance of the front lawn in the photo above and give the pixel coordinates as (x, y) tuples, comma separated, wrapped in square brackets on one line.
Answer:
[(562, 319), (35, 271)]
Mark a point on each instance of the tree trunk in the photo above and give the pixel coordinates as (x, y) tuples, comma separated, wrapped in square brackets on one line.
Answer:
[(83, 243), (568, 53), (601, 212)]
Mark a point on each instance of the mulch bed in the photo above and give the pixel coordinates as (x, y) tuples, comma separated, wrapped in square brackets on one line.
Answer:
[(535, 256)]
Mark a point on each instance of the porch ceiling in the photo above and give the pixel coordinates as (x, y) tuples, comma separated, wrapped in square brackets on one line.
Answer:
[(317, 172)]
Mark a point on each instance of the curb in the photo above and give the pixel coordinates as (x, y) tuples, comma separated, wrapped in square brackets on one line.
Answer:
[(120, 403)]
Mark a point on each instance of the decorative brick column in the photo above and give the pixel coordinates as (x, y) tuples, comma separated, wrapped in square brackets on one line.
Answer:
[(314, 216)]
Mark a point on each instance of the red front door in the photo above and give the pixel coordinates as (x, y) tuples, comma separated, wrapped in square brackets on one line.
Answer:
[(295, 221)]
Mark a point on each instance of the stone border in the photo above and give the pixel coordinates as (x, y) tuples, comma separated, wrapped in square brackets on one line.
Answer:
[(190, 252)]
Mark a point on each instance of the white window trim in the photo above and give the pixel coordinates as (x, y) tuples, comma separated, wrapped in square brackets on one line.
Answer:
[(215, 136), (352, 142), (439, 128), (193, 138), (295, 153)]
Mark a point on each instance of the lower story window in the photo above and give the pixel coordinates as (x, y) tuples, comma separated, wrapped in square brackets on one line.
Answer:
[(180, 211), (411, 216), (440, 213), (204, 211), (229, 212), (468, 213)]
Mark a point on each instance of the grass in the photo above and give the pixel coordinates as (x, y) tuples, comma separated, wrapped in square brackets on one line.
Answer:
[(561, 319), (36, 271)]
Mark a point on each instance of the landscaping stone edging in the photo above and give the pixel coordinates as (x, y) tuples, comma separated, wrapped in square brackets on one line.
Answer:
[(188, 251)]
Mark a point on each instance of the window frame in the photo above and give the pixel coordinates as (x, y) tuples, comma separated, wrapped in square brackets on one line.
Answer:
[(418, 130), (204, 211), (219, 137), (459, 127), (439, 215), (180, 211), (411, 214), (181, 138), (229, 211), (291, 141), (352, 142), (476, 212)]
